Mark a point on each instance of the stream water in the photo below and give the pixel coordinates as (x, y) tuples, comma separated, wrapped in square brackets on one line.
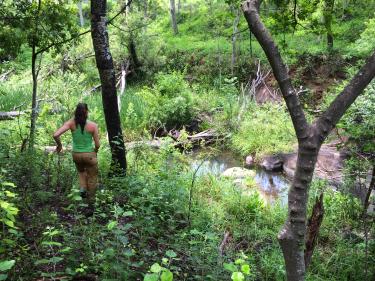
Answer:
[(271, 186)]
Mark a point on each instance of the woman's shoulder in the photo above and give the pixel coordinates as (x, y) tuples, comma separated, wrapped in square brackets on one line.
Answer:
[(91, 125)]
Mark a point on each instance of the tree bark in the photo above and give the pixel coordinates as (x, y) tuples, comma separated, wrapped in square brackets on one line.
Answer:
[(34, 73), (313, 228), (173, 16), (328, 16), (81, 18), (104, 63), (310, 138), (234, 40)]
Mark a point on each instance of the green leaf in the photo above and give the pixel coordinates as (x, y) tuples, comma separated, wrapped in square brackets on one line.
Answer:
[(231, 267), (127, 214), (171, 254), (56, 259), (8, 222), (237, 276), (10, 194), (6, 265), (166, 276), (51, 243), (156, 268), (239, 261), (151, 277), (3, 277), (8, 184), (245, 268), (111, 225)]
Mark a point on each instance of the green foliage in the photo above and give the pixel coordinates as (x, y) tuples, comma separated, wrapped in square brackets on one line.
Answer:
[(265, 130), (365, 44)]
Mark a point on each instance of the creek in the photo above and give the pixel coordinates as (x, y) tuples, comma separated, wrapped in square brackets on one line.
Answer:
[(271, 186)]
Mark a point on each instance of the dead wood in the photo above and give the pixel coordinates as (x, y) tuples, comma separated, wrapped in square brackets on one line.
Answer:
[(313, 227)]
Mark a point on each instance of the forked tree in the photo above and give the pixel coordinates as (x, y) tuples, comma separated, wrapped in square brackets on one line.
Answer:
[(310, 138)]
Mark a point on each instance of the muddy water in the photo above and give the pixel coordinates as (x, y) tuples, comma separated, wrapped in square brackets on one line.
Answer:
[(271, 186)]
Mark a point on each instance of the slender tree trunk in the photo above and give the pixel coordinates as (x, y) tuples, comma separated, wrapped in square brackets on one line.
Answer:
[(310, 138), (34, 73), (173, 17), (33, 99), (178, 7), (104, 63), (234, 40), (369, 191), (328, 16), (81, 18)]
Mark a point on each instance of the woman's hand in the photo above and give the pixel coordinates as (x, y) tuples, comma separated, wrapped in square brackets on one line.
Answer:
[(58, 148)]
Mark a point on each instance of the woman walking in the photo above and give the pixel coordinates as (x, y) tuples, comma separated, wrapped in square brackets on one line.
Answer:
[(84, 153)]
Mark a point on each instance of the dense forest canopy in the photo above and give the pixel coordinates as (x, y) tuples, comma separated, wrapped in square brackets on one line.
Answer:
[(224, 140)]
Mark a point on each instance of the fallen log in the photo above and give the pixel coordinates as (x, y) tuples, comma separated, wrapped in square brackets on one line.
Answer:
[(10, 115)]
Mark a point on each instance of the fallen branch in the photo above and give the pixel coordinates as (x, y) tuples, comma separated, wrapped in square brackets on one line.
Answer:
[(10, 115)]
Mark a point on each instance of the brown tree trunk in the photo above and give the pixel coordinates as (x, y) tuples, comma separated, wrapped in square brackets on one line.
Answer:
[(104, 63), (310, 138), (173, 16)]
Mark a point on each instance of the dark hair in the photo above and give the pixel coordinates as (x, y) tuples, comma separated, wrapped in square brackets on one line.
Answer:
[(80, 115)]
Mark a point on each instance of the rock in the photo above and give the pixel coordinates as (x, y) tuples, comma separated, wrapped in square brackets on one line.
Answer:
[(273, 163), (238, 173), (249, 161), (329, 164)]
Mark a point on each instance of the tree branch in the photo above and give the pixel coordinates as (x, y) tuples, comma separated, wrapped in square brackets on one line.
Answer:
[(341, 103), (82, 33), (251, 12), (120, 12)]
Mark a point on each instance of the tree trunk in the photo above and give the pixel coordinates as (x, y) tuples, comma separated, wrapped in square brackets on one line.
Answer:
[(234, 40), (81, 18), (310, 138), (328, 16), (133, 53), (33, 99), (104, 63), (173, 16)]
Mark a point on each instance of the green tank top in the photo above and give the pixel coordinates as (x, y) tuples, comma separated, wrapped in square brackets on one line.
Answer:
[(82, 142)]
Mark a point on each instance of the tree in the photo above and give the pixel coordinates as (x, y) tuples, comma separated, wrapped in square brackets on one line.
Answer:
[(328, 16), (172, 9), (104, 63), (310, 138)]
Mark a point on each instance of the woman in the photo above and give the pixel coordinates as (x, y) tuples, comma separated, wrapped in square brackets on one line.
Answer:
[(84, 153)]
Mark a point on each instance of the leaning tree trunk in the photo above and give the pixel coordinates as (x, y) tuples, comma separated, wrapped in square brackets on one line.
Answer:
[(173, 16), (310, 138), (104, 63)]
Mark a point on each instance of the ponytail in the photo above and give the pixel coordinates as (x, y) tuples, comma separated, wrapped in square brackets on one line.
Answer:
[(80, 115)]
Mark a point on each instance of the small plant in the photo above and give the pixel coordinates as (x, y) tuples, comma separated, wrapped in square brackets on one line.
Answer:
[(240, 269), (161, 272)]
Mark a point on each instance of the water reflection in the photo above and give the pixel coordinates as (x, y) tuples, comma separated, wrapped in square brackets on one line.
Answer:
[(271, 186)]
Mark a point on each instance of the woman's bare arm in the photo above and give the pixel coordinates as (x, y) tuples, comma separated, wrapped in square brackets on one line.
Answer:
[(59, 132), (96, 138)]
